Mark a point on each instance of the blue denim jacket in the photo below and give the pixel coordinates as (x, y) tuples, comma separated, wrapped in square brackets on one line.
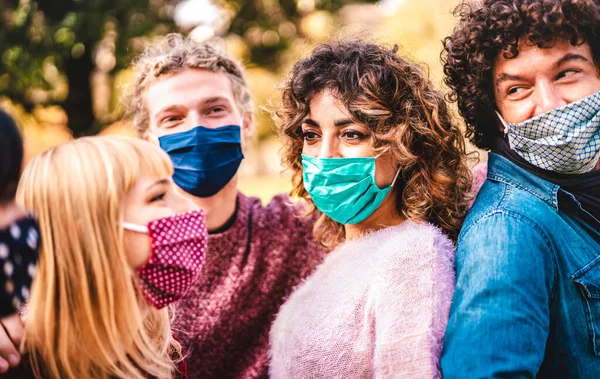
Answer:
[(527, 299)]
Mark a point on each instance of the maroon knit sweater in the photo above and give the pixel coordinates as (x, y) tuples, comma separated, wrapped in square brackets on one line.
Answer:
[(250, 269)]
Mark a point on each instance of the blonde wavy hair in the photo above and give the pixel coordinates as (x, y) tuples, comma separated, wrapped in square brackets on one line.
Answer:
[(172, 54), (85, 317), (407, 118)]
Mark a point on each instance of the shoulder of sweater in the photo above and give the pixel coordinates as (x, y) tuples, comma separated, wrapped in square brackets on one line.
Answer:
[(282, 210), (418, 233), (409, 240), (413, 250), (284, 222)]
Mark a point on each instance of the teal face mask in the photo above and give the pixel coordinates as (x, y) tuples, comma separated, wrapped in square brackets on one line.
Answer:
[(343, 188)]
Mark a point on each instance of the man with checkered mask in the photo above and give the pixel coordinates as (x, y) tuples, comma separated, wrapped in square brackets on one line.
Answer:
[(526, 76)]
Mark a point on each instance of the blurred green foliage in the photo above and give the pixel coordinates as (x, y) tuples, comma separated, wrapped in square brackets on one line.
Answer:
[(49, 49), (52, 51), (269, 27)]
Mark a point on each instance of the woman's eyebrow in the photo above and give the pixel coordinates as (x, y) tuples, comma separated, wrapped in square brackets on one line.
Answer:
[(163, 181), (311, 122), (343, 122)]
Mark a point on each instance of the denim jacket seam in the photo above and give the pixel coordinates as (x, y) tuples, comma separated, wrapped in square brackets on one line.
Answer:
[(503, 179), (484, 215), (536, 227), (586, 268)]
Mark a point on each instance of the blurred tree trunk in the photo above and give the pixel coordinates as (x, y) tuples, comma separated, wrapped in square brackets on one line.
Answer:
[(78, 104)]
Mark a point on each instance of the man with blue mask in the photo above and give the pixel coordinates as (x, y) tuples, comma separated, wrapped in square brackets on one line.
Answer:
[(526, 75)]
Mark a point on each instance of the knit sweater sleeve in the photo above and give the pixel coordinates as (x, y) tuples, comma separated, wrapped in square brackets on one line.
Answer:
[(289, 231), (411, 310)]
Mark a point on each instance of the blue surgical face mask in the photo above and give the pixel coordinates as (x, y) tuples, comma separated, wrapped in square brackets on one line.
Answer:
[(344, 188), (205, 159), (564, 140)]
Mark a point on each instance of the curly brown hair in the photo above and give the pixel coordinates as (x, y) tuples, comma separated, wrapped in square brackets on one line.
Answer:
[(174, 53), (496, 26), (407, 118)]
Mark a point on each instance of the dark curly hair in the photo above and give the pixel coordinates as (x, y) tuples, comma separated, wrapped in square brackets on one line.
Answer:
[(407, 118), (496, 26), (11, 157)]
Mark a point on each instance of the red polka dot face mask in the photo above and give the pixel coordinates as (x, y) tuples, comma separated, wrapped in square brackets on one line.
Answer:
[(178, 247)]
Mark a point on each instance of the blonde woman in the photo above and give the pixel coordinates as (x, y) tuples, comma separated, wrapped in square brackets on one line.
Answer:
[(118, 244)]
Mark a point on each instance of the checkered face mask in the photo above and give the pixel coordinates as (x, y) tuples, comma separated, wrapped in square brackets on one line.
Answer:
[(564, 140)]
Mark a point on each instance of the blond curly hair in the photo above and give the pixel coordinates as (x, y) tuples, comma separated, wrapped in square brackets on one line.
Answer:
[(171, 54)]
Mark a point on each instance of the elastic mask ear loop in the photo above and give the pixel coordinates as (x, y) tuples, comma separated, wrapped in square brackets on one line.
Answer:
[(395, 177), (135, 228), (506, 128), (397, 172)]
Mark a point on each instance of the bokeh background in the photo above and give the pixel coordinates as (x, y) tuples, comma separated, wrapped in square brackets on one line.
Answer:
[(64, 63)]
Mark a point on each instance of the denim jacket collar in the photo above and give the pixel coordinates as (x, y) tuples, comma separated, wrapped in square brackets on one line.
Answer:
[(503, 170)]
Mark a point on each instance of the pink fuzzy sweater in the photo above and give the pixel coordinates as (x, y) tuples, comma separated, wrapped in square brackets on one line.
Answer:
[(377, 307), (224, 320)]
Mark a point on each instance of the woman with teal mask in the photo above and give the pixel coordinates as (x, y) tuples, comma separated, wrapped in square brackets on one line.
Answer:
[(372, 146)]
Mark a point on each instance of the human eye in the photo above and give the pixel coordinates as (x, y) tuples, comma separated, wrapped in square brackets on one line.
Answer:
[(309, 135), (515, 90), (169, 121), (158, 197), (566, 73), (353, 135), (217, 111)]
